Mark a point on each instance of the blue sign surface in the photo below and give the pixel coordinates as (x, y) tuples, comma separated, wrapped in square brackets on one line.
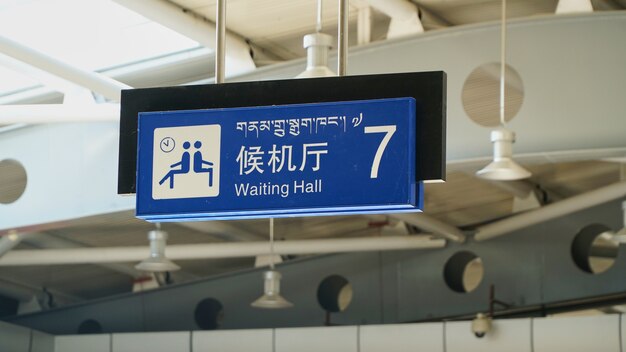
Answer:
[(275, 161)]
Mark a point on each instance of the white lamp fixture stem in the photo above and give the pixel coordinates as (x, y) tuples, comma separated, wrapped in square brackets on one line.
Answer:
[(502, 62), (271, 243), (318, 27)]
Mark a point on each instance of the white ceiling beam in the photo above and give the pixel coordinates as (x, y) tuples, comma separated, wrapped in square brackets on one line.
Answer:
[(195, 27), (431, 224), (98, 255), (552, 211), (98, 83), (58, 113), (404, 17), (49, 241)]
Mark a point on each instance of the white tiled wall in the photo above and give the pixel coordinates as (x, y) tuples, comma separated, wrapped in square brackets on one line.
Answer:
[(401, 338), (75, 343), (152, 342), (327, 339), (510, 335), (233, 341)]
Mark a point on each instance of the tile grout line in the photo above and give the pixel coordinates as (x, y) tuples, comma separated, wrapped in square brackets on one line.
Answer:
[(444, 337), (619, 333), (358, 338), (532, 335)]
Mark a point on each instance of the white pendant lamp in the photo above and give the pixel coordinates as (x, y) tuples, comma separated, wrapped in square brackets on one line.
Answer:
[(157, 262), (503, 167), (271, 298), (317, 46)]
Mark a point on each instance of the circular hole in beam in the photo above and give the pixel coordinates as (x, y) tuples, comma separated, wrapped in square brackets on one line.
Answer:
[(334, 293), (463, 272), (481, 94), (593, 250), (13, 185)]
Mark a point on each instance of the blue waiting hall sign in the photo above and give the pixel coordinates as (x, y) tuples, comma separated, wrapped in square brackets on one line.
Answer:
[(275, 161)]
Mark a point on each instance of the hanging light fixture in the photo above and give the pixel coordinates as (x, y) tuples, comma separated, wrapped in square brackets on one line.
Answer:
[(503, 167), (157, 262), (271, 299), (317, 46)]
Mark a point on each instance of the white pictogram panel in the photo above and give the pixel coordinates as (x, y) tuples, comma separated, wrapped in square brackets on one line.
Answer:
[(186, 162)]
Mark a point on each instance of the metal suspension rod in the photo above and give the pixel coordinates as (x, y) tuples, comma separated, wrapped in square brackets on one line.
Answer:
[(271, 243), (502, 63), (342, 37), (220, 34), (318, 26)]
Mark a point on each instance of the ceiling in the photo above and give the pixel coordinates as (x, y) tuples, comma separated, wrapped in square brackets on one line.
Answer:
[(275, 28)]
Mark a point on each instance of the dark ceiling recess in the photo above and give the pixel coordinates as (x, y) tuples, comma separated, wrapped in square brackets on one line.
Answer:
[(208, 314)]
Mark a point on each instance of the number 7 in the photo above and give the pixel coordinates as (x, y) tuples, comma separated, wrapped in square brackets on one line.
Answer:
[(389, 130)]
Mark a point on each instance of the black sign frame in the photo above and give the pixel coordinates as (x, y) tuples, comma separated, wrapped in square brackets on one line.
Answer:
[(428, 89)]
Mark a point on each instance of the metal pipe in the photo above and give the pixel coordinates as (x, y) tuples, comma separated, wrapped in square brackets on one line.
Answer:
[(217, 250), (552, 211), (107, 87), (220, 40), (58, 113), (342, 37), (573, 6), (430, 224)]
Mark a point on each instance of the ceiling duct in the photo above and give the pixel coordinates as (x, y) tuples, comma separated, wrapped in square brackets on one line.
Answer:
[(574, 6)]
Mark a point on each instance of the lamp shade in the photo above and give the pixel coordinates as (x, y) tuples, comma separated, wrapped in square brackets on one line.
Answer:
[(271, 298), (503, 167), (157, 262)]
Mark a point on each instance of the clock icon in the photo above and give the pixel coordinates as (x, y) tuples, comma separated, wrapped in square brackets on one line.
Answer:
[(167, 144)]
